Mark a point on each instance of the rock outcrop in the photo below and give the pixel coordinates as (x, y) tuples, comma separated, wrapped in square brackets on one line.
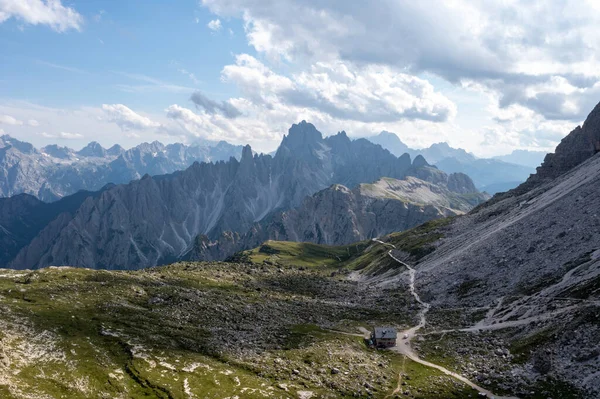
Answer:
[(582, 143)]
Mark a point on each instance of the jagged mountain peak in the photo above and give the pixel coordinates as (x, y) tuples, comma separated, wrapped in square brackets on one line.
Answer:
[(441, 145), (55, 171), (391, 142), (93, 149), (579, 145), (302, 134), (58, 151), (150, 147), (115, 150), (419, 162), (20, 146), (303, 141), (385, 133), (247, 154)]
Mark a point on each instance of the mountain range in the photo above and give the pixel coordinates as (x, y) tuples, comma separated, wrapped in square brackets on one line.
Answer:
[(155, 220), (53, 172), (492, 175)]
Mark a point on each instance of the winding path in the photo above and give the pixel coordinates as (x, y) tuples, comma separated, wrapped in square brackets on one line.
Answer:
[(405, 347)]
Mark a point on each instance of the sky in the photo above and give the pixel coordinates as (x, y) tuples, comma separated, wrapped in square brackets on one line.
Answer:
[(487, 76)]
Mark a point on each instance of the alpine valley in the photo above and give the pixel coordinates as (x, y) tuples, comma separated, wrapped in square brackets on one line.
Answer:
[(324, 241)]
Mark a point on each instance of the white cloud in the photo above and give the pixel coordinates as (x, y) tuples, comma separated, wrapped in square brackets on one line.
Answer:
[(215, 25), (365, 94), (332, 96), (62, 135), (127, 119), (70, 136), (90, 122), (33, 122), (9, 120), (536, 54), (218, 127), (35, 12)]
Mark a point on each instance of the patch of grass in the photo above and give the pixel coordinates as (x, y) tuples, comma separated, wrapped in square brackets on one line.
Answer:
[(422, 382), (302, 335), (522, 348), (138, 334), (418, 242), (287, 253)]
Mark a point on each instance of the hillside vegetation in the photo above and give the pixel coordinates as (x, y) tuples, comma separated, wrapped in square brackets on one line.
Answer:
[(205, 330)]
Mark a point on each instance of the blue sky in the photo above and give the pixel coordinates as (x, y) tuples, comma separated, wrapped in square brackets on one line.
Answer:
[(119, 46), (484, 76)]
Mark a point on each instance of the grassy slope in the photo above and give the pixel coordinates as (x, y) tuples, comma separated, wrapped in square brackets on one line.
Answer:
[(302, 253), (416, 243), (198, 331), (262, 326)]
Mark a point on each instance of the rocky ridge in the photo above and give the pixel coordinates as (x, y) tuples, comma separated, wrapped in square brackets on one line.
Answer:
[(53, 172), (492, 175)]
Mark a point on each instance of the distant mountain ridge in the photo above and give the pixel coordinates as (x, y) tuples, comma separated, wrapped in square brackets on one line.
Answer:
[(489, 174), (156, 219), (53, 172)]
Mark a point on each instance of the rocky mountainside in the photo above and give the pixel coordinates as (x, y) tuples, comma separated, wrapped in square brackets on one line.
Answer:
[(532, 257), (23, 216), (492, 175), (338, 215), (155, 220), (53, 172)]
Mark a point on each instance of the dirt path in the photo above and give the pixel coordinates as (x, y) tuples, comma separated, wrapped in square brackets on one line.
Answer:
[(404, 347), (398, 388)]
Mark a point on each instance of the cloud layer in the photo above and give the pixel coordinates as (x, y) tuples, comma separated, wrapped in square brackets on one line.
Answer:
[(539, 55), (40, 12), (212, 107), (127, 119)]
